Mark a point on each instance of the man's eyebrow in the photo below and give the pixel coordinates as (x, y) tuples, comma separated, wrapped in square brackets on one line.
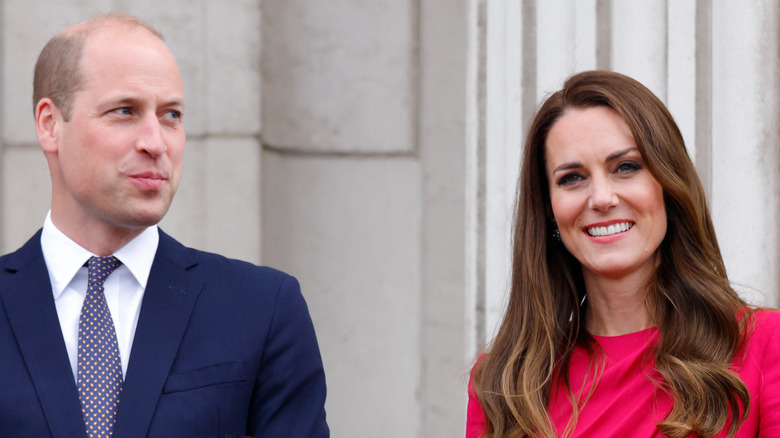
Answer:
[(174, 102), (134, 100)]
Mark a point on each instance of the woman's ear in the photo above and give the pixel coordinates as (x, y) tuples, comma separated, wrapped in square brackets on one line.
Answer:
[(48, 120)]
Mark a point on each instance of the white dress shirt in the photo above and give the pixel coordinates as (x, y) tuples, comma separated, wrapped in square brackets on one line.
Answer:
[(124, 288)]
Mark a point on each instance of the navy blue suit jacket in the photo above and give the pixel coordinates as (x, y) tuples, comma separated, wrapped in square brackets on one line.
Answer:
[(222, 349)]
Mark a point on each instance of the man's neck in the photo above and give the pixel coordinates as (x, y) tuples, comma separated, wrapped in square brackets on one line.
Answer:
[(97, 238)]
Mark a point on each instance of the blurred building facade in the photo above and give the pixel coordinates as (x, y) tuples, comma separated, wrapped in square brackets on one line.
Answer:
[(371, 148)]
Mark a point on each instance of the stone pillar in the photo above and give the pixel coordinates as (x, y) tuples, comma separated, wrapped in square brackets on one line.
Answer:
[(682, 63), (363, 179), (639, 42), (445, 121), (342, 196), (746, 144), (554, 33)]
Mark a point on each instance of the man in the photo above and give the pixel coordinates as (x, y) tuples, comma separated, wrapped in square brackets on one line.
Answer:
[(107, 325)]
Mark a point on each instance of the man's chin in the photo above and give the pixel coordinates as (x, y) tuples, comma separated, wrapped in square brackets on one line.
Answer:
[(145, 219), (147, 214)]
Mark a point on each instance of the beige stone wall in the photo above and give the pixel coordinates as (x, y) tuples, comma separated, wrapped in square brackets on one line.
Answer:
[(364, 136)]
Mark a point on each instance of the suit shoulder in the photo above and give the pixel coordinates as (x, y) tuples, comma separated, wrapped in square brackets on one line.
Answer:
[(223, 269), (225, 274), (218, 261), (27, 253)]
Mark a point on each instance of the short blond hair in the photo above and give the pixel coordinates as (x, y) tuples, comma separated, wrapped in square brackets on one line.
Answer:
[(58, 71)]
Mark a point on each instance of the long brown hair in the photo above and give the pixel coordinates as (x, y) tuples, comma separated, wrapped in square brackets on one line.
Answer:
[(689, 298)]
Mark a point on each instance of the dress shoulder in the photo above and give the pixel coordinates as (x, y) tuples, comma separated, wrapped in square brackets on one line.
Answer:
[(764, 325)]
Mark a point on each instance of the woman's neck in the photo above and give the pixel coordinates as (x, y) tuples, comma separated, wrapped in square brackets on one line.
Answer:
[(616, 306)]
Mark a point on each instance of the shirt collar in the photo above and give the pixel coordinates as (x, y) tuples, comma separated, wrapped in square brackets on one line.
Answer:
[(64, 257)]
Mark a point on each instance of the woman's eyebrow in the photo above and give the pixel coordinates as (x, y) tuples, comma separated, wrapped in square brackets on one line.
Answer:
[(618, 154), (577, 164)]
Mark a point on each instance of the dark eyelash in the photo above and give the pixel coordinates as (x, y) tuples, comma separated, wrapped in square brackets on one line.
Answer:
[(568, 179), (632, 166)]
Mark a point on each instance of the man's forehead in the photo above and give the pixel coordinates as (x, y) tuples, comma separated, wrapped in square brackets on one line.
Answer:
[(126, 65), (122, 32), (121, 44), (134, 98)]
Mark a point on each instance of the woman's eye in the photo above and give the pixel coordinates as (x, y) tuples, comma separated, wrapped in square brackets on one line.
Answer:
[(627, 167), (569, 179)]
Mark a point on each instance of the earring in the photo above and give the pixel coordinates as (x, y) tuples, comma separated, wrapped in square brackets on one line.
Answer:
[(556, 234)]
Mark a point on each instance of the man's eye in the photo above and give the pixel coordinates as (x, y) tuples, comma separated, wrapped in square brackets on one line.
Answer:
[(124, 111), (174, 114)]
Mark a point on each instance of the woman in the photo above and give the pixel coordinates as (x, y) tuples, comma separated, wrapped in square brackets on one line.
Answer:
[(621, 320)]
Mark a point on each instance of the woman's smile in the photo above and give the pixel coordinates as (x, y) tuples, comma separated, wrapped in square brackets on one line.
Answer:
[(601, 232)]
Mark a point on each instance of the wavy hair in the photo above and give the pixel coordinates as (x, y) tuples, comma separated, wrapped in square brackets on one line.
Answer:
[(689, 297)]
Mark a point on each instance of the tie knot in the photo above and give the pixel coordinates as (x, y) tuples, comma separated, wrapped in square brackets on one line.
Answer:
[(101, 267)]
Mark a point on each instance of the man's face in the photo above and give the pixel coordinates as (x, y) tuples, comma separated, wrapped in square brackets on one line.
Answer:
[(119, 158)]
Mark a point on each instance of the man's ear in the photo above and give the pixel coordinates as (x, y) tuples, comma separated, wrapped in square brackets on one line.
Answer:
[(48, 121)]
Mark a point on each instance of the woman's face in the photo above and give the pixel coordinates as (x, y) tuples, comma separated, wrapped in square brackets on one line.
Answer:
[(609, 208)]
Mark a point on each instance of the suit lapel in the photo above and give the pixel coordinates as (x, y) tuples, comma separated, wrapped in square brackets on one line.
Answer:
[(29, 302), (169, 298)]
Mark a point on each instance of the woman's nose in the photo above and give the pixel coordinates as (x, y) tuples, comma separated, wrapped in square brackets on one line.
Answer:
[(602, 195)]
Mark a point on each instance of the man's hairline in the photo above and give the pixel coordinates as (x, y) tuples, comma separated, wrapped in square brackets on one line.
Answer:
[(82, 33)]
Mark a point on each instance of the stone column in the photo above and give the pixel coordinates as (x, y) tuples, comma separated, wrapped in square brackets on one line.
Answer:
[(746, 144), (342, 197), (363, 186)]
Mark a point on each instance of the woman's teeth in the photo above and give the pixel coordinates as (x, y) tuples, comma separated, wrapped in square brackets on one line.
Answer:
[(610, 230)]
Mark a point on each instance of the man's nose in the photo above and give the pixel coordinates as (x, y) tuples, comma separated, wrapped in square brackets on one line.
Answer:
[(150, 138), (602, 194)]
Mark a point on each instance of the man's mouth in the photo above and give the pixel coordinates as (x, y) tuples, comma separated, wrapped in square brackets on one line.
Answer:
[(147, 175), (148, 180)]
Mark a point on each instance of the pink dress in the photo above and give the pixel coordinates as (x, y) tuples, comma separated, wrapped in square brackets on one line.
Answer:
[(627, 404)]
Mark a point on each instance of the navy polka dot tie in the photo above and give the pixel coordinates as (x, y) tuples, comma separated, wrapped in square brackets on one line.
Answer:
[(99, 373)]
